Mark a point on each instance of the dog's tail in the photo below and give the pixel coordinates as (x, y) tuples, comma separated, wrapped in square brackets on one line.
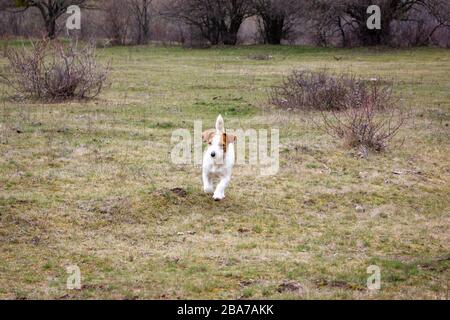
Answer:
[(220, 124)]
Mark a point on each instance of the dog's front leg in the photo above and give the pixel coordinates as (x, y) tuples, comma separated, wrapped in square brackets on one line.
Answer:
[(207, 185), (219, 194)]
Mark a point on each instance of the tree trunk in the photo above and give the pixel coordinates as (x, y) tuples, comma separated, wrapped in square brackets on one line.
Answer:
[(229, 38), (342, 31), (229, 34), (144, 31), (213, 35), (50, 25), (375, 37), (273, 30)]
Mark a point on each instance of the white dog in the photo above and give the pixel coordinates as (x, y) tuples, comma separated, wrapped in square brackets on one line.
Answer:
[(218, 159)]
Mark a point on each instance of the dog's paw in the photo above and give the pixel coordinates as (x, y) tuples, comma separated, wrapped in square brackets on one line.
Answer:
[(208, 189), (218, 197)]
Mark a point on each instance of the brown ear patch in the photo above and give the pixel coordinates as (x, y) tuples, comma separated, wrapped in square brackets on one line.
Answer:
[(208, 135), (226, 139), (231, 138)]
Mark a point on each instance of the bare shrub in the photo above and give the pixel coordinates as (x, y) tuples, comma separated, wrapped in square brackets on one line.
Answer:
[(306, 91), (365, 126), (364, 113), (369, 119), (48, 70)]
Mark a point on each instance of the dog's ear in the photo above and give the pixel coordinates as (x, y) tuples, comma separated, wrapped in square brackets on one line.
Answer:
[(220, 124), (231, 138), (208, 135)]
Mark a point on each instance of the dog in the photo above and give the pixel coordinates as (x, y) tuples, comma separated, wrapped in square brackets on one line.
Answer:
[(218, 159)]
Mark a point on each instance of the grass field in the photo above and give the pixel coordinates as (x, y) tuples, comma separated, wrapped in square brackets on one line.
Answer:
[(90, 184)]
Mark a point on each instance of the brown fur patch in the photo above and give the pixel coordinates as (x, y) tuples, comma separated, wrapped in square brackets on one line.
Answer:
[(227, 139), (231, 138), (223, 142), (208, 135)]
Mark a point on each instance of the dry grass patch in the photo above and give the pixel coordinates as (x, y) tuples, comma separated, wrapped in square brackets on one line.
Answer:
[(92, 184)]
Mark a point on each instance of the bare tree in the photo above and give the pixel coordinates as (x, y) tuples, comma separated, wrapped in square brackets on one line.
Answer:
[(440, 10), (116, 25), (349, 17), (195, 14), (390, 10), (50, 10), (327, 21), (425, 25), (277, 18), (234, 12), (141, 12), (218, 21)]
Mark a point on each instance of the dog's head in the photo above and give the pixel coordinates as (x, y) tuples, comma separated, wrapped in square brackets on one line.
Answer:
[(218, 140)]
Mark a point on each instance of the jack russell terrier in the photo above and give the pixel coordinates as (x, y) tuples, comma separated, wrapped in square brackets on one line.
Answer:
[(218, 159)]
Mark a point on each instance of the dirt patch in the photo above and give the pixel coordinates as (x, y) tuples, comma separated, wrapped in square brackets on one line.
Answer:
[(291, 287), (340, 284), (167, 193), (179, 192), (110, 206), (439, 265)]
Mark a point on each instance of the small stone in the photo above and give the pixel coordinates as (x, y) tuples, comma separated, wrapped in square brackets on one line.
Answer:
[(360, 208)]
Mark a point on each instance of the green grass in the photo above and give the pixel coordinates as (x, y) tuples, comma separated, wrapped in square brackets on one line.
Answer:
[(89, 184)]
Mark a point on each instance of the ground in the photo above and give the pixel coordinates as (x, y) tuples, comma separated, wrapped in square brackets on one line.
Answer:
[(91, 184)]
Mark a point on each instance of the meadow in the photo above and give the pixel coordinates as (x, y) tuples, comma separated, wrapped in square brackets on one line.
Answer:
[(91, 184)]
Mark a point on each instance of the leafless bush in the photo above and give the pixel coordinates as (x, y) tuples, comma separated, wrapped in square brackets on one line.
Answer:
[(369, 119), (320, 91), (306, 91), (361, 112), (48, 70)]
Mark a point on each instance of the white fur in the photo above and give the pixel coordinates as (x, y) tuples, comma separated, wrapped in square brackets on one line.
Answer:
[(221, 165)]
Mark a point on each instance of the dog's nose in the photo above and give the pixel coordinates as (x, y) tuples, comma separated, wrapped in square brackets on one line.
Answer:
[(213, 154)]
